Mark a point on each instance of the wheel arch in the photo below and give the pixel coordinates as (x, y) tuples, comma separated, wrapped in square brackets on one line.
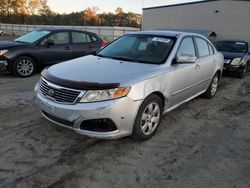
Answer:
[(160, 95), (219, 72), (28, 55)]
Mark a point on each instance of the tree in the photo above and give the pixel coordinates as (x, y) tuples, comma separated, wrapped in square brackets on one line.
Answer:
[(45, 9), (119, 10), (91, 15)]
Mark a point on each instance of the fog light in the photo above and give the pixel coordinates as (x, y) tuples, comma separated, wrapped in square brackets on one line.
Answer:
[(3, 66), (5, 63)]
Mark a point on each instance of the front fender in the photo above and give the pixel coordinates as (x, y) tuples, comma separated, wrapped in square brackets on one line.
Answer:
[(156, 84)]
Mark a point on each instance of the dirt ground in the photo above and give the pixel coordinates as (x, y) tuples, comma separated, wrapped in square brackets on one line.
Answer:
[(204, 143)]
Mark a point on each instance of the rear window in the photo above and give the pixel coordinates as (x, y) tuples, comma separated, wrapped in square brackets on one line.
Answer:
[(79, 37), (202, 46), (94, 39), (211, 49)]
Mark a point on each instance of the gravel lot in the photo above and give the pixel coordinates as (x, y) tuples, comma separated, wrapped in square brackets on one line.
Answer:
[(204, 143)]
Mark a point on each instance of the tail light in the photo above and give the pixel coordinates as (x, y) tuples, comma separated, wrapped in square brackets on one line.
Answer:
[(102, 43)]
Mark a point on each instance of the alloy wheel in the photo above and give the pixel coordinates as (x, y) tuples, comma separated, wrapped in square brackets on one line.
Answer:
[(214, 85), (25, 67), (150, 118)]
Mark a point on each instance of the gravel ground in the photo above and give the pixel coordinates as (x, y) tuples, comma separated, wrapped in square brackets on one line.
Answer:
[(204, 143)]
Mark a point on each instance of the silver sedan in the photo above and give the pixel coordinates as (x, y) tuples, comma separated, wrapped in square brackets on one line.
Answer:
[(126, 87)]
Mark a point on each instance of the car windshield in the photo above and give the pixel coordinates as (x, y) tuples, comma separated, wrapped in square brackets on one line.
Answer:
[(32, 36), (230, 46), (139, 48)]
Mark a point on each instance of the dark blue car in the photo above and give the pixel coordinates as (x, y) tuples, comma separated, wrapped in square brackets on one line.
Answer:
[(25, 54), (236, 54)]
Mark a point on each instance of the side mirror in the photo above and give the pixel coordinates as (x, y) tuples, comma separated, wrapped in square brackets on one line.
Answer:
[(50, 42), (186, 59)]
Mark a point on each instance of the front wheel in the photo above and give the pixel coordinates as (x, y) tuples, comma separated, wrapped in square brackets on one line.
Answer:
[(213, 87), (24, 67), (148, 118)]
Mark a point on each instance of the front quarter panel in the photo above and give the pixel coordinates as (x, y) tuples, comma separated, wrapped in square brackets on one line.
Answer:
[(156, 84)]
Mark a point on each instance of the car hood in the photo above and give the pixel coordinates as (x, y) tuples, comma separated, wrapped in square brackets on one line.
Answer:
[(9, 44), (231, 55), (92, 72)]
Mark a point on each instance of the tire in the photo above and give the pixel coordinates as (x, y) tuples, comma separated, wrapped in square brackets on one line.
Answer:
[(213, 87), (243, 73), (24, 67), (148, 118)]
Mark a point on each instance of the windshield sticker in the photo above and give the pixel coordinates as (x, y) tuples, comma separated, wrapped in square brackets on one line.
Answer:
[(240, 43), (157, 39)]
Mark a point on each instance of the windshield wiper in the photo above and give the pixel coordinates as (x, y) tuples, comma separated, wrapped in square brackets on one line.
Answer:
[(124, 58), (117, 58)]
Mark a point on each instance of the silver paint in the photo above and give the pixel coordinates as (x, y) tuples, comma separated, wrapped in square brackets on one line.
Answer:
[(178, 83)]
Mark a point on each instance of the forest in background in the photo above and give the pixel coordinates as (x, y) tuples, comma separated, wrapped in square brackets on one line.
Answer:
[(38, 12)]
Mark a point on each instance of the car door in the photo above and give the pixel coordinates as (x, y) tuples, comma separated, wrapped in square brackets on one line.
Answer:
[(56, 48), (206, 62), (185, 76), (83, 44)]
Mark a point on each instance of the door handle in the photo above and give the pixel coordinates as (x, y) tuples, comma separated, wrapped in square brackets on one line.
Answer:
[(67, 48), (197, 66)]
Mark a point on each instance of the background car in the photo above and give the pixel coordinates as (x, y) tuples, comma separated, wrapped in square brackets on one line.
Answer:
[(46, 47), (132, 82), (2, 33), (236, 54)]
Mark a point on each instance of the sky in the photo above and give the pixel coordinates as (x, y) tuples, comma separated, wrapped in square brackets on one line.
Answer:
[(67, 6)]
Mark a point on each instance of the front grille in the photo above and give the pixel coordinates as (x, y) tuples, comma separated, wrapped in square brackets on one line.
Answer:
[(61, 95)]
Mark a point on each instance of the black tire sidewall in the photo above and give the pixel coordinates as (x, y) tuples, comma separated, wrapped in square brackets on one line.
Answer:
[(14, 68), (137, 134), (208, 93)]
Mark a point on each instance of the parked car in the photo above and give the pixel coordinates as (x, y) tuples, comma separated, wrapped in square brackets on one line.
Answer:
[(237, 56), (126, 87), (2, 33), (45, 47)]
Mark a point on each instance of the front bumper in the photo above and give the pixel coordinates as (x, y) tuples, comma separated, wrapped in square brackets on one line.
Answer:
[(121, 111), (233, 68)]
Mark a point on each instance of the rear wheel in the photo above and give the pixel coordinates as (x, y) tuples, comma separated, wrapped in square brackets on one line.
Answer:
[(24, 67), (148, 118), (213, 87)]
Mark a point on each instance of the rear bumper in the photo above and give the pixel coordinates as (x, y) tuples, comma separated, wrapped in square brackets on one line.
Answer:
[(122, 112)]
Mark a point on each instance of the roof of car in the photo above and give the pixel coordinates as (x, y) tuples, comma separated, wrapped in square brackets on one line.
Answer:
[(63, 29), (170, 33)]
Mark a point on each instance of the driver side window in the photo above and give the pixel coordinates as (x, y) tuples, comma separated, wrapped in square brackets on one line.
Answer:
[(186, 47), (58, 38)]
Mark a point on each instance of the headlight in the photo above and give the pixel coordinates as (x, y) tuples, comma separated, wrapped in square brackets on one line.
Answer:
[(104, 95), (2, 52), (236, 61)]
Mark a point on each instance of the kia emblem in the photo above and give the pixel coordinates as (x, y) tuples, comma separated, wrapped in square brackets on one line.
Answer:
[(51, 92)]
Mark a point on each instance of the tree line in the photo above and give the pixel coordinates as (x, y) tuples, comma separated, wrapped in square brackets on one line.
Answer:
[(38, 12)]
